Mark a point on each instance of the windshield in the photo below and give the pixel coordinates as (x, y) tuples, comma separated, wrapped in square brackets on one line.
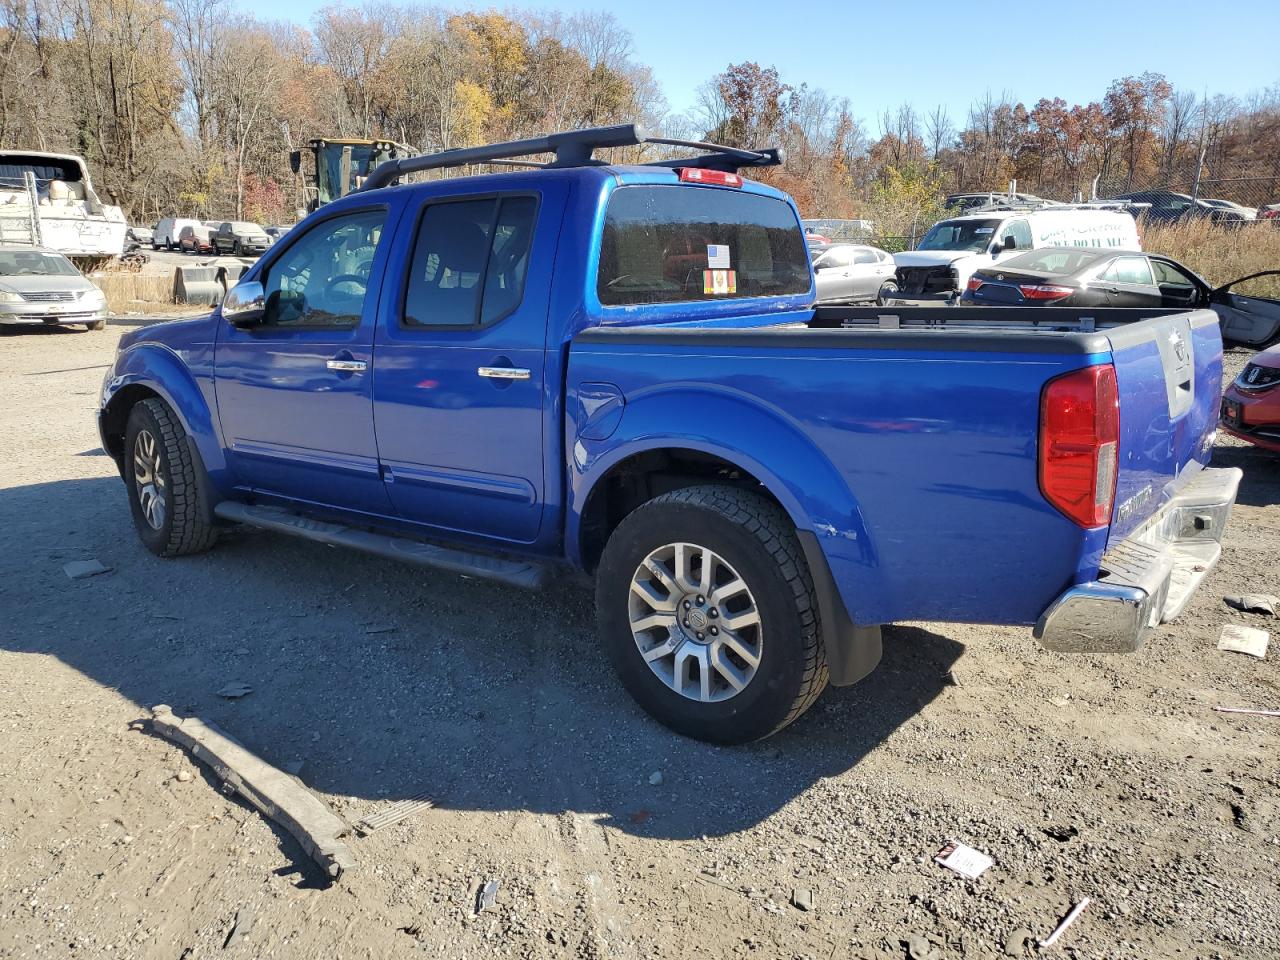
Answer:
[(33, 263), (960, 235), (246, 227), (667, 244), (14, 166)]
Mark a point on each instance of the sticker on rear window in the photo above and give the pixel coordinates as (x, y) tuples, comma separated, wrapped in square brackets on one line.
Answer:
[(718, 256), (721, 282)]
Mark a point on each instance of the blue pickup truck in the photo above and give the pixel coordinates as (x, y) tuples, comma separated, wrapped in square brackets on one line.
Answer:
[(620, 369)]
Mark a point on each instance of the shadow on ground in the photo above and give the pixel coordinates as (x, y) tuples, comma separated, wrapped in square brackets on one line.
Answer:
[(389, 680), (1261, 484)]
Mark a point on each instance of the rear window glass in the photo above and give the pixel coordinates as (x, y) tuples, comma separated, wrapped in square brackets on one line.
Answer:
[(1059, 261), (668, 244)]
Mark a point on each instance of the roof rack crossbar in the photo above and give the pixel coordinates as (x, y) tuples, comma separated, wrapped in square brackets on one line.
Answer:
[(572, 148)]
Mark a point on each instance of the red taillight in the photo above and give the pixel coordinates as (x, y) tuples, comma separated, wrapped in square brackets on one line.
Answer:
[(715, 177), (1079, 438), (973, 284), (1044, 291)]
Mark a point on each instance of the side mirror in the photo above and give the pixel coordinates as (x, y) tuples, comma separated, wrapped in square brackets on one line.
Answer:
[(1010, 243), (245, 305)]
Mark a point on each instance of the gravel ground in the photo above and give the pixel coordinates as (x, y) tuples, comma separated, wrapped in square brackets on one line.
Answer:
[(1106, 777)]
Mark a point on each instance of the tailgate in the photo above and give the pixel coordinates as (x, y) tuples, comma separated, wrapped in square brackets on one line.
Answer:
[(1169, 380)]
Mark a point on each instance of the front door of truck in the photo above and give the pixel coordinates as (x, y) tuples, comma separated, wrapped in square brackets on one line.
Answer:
[(295, 392), (459, 393)]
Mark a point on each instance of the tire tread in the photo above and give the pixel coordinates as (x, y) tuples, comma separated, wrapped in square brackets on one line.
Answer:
[(191, 530)]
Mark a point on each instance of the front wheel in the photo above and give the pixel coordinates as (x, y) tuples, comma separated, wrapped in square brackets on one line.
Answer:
[(888, 293), (96, 325), (166, 493), (706, 608)]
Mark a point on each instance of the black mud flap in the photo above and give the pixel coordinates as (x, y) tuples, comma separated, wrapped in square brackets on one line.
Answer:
[(852, 651)]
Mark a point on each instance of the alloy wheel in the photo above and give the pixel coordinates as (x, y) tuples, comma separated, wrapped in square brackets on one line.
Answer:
[(148, 478), (695, 622)]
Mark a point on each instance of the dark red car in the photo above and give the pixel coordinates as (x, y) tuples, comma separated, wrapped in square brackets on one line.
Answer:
[(1251, 404)]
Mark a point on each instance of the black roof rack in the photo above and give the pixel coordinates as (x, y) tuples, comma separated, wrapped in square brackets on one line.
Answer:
[(573, 148)]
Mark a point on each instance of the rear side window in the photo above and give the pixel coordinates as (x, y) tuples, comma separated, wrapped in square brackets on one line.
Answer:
[(670, 244), (1129, 270), (469, 262)]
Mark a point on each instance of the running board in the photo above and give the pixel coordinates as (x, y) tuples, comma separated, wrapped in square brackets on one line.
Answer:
[(517, 573)]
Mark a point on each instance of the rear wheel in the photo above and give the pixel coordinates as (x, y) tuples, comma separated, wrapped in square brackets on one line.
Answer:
[(166, 493), (707, 610), (888, 293)]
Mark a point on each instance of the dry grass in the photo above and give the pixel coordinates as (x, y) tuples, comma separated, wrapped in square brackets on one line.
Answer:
[(1219, 254), (136, 293)]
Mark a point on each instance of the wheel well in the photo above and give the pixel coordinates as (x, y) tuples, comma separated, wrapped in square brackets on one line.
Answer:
[(638, 479), (116, 416)]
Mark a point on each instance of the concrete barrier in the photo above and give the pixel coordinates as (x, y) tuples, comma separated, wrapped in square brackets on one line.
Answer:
[(199, 285)]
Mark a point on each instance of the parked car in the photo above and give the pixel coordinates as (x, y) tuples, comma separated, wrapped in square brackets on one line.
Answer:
[(848, 273), (1270, 212), (275, 232), (196, 239), (39, 285), (754, 483), (240, 238), (169, 230), (137, 236), (1169, 207), (1251, 405), (1083, 277), (1232, 210), (947, 256)]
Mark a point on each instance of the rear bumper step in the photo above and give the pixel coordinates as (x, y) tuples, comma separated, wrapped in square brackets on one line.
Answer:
[(1149, 577), (517, 573)]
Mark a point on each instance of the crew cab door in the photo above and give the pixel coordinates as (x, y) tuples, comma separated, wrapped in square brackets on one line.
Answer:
[(459, 394), (1249, 308), (295, 397)]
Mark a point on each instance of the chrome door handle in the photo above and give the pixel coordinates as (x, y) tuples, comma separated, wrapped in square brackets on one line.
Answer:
[(347, 366), (503, 373)]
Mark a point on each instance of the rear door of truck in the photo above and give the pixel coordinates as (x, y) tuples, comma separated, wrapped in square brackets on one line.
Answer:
[(1169, 382)]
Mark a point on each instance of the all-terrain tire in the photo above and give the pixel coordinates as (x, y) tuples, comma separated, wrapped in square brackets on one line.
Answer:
[(757, 539), (187, 526)]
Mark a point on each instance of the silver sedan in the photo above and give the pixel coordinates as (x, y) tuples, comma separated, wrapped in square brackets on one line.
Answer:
[(42, 286), (850, 272)]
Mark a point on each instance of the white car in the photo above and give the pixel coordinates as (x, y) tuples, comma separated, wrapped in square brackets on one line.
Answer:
[(852, 272), (38, 285)]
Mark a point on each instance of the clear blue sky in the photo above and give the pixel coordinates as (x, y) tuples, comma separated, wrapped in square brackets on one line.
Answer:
[(924, 52)]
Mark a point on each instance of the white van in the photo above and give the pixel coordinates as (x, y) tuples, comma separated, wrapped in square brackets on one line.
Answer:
[(168, 231), (953, 249)]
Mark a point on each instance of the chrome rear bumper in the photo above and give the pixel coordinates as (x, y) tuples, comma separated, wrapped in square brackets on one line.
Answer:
[(1149, 577)]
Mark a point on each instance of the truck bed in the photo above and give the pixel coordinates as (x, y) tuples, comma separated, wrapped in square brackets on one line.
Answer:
[(909, 436)]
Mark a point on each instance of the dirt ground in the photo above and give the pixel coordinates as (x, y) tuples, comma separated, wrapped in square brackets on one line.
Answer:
[(1101, 777)]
